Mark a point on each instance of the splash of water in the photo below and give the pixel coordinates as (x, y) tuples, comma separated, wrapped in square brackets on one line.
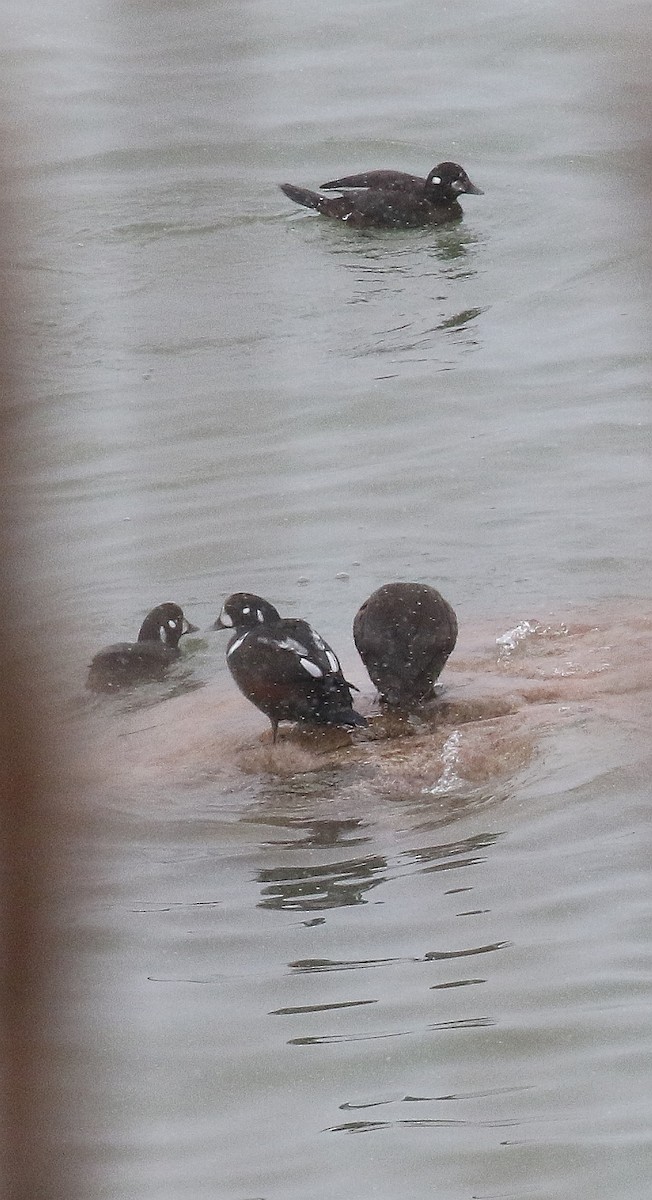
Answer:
[(450, 757), (513, 637)]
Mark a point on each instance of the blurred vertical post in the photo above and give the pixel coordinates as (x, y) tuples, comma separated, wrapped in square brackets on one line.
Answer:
[(33, 1156)]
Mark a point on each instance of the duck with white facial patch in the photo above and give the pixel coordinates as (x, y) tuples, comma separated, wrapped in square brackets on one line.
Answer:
[(283, 666), (157, 647), (391, 199)]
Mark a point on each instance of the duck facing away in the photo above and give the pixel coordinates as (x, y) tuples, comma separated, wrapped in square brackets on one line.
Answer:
[(149, 657), (404, 634), (283, 666), (391, 199)]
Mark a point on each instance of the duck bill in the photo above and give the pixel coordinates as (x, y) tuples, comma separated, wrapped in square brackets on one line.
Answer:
[(189, 628), (472, 190), (224, 621)]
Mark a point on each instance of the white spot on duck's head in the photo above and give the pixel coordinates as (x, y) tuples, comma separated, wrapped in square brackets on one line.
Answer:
[(225, 619), (332, 661)]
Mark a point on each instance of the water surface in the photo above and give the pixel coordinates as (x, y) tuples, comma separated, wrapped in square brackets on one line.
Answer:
[(413, 966)]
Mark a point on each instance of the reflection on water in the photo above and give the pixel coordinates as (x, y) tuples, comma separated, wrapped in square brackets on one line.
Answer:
[(459, 320), (306, 888), (455, 983), (333, 885), (409, 278), (322, 833), (439, 954), (311, 1008), (475, 1095), (462, 853), (416, 1123)]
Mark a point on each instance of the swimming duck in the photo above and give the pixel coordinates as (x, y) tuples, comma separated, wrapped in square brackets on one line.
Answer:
[(283, 666), (149, 657), (389, 198), (404, 633)]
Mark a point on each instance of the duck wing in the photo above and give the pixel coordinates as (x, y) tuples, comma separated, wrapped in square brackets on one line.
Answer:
[(316, 655), (393, 209), (290, 673), (388, 181)]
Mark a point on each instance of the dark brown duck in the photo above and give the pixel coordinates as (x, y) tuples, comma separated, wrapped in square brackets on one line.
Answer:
[(390, 199), (404, 634)]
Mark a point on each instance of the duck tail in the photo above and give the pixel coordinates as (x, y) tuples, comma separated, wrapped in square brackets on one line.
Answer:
[(302, 195)]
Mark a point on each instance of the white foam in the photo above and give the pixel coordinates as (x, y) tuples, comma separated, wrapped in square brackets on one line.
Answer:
[(449, 779), (513, 637)]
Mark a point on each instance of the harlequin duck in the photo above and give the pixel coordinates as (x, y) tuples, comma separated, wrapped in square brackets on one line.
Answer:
[(148, 658), (391, 198), (283, 666), (404, 633)]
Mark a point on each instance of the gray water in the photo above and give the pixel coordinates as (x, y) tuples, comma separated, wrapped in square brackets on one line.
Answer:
[(416, 967)]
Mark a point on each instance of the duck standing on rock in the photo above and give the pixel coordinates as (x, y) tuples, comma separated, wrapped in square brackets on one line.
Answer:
[(391, 199), (283, 666), (404, 634)]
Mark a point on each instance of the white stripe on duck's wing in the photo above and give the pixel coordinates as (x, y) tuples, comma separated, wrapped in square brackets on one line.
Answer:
[(301, 652), (322, 646), (311, 668), (286, 643), (333, 660)]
